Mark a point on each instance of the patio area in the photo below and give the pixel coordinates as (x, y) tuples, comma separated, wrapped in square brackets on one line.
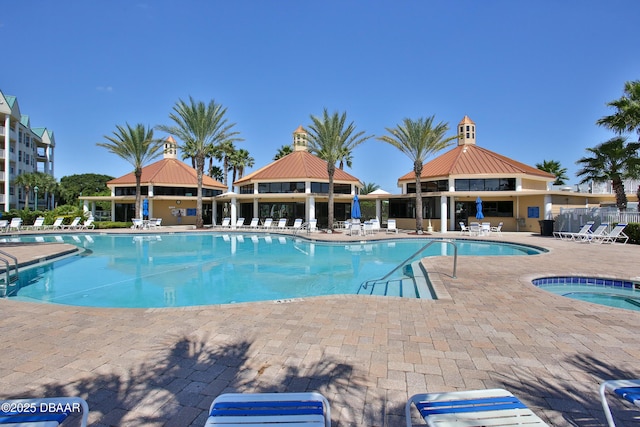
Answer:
[(367, 355)]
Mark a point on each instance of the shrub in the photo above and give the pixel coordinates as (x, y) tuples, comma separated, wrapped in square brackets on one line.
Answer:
[(633, 231)]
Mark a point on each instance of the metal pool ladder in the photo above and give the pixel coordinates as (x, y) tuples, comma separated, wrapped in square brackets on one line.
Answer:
[(386, 281), (8, 277)]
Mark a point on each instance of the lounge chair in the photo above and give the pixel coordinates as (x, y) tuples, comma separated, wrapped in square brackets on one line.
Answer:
[(138, 224), (464, 229), (74, 223), (88, 224), (375, 225), (612, 237), (57, 223), (4, 225), (155, 223), (313, 225), (254, 223), (282, 224), (267, 223), (240, 223), (497, 229), (226, 223), (568, 235), (474, 229), (15, 224), (43, 412), (472, 408), (297, 224), (599, 231), (38, 224), (625, 389), (270, 409), (391, 226)]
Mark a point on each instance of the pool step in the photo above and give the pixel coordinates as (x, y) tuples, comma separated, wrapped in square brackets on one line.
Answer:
[(414, 284)]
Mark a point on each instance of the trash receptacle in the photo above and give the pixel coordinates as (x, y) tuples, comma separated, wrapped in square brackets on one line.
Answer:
[(546, 227)]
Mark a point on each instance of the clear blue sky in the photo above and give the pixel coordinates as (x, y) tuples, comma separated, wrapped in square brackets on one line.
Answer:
[(533, 75)]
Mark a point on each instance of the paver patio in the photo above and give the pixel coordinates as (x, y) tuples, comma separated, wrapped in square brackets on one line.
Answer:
[(367, 355)]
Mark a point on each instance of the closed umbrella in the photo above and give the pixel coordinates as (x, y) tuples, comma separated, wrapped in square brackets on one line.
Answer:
[(355, 208), (145, 208), (479, 214)]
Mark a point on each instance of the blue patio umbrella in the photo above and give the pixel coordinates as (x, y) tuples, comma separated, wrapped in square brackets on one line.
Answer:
[(355, 208), (479, 214), (145, 208)]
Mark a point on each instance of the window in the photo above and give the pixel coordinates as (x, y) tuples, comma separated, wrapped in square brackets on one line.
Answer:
[(246, 189), (489, 184), (429, 186)]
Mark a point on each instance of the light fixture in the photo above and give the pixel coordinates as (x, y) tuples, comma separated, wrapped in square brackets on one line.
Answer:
[(178, 202)]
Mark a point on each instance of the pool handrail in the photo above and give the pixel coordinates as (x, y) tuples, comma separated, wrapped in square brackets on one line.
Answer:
[(455, 261)]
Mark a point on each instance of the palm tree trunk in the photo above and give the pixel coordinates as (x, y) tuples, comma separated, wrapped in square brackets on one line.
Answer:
[(200, 172), (138, 174), (621, 197), (331, 169), (417, 168)]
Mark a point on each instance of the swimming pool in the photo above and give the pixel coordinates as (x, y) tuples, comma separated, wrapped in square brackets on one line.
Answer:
[(610, 292), (187, 269)]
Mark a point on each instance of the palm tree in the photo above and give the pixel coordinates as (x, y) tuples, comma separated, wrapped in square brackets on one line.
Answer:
[(47, 185), (238, 161), (200, 127), (26, 181), (418, 139), (329, 139), (613, 160), (283, 151), (345, 157), (368, 187), (223, 152), (627, 117), (554, 167), (137, 146)]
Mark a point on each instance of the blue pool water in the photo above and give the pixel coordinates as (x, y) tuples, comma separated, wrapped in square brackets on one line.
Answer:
[(611, 292), (212, 268)]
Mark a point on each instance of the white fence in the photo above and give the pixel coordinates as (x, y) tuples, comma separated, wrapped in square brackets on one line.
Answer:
[(573, 219)]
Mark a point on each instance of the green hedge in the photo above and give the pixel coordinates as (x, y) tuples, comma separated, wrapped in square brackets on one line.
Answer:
[(633, 231)]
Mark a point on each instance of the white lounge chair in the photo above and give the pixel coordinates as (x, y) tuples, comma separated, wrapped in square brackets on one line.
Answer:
[(474, 229), (138, 224), (355, 226), (492, 407), (57, 223), (464, 229), (240, 223), (42, 412), (15, 224), (282, 224), (254, 223), (38, 224), (375, 225), (297, 224), (599, 231), (267, 223), (226, 223), (313, 225), (270, 409), (612, 237), (87, 224), (74, 223), (568, 235), (4, 225), (628, 390), (497, 229), (391, 226), (155, 223)]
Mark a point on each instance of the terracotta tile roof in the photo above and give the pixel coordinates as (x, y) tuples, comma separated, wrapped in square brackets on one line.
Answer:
[(466, 120), (297, 165), (300, 129), (473, 160), (171, 172)]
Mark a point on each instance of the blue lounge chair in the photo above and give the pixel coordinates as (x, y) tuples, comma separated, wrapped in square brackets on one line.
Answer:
[(44, 412), (628, 390), (472, 408), (270, 409)]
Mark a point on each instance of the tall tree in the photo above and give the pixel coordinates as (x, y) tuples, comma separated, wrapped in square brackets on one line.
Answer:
[(200, 127), (26, 181), (418, 139), (283, 151), (88, 184), (613, 160), (223, 152), (368, 187), (554, 167), (137, 146), (626, 118), (240, 160), (345, 157), (330, 138)]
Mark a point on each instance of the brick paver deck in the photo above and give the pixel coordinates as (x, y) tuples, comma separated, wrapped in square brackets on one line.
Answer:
[(367, 355)]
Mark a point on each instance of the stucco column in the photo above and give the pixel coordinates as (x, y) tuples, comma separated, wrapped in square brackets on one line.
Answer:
[(234, 208), (255, 208), (311, 210), (214, 211), (379, 210), (443, 214)]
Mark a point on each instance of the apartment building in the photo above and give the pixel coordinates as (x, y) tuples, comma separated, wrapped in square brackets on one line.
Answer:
[(23, 149)]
